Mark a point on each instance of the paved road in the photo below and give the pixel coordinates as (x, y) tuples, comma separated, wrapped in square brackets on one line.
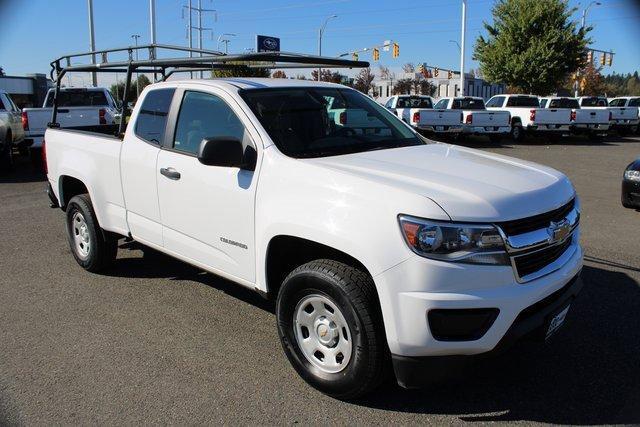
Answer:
[(157, 341)]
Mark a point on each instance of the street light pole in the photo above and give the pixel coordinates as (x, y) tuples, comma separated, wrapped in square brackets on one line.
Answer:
[(92, 41), (584, 23), (136, 37), (320, 33), (225, 41), (464, 31)]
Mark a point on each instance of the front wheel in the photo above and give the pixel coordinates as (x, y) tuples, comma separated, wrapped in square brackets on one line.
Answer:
[(92, 247), (331, 329)]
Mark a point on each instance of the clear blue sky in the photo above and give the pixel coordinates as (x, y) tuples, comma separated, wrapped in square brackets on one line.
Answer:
[(33, 32)]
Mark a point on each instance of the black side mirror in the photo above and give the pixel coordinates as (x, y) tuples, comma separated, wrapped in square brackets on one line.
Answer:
[(226, 151)]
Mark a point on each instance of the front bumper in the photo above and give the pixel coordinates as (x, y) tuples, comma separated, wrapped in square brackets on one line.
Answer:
[(630, 194), (413, 372)]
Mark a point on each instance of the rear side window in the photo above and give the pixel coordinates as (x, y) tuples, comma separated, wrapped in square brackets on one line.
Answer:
[(152, 117), (634, 102), (617, 103), (543, 103), (496, 101), (78, 98)]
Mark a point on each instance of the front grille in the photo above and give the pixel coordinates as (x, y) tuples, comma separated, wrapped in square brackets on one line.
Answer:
[(525, 225), (532, 262)]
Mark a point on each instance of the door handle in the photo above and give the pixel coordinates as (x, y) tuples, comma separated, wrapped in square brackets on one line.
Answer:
[(170, 173)]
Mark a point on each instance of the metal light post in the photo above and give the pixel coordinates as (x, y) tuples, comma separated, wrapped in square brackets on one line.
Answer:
[(92, 41), (225, 41), (136, 37), (464, 33), (152, 29), (457, 44), (320, 33), (584, 23)]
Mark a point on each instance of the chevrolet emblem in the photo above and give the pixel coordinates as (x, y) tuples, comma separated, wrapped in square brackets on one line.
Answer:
[(558, 231)]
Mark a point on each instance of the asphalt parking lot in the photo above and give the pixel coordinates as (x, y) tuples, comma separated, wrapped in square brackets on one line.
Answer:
[(154, 340)]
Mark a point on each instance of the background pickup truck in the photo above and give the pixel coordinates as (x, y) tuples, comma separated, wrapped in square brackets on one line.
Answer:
[(591, 121), (380, 248), (418, 112), (11, 133), (78, 108), (528, 117), (625, 114), (477, 119)]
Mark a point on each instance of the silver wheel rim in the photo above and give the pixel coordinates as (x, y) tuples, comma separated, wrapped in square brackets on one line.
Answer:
[(516, 132), (322, 333), (81, 236)]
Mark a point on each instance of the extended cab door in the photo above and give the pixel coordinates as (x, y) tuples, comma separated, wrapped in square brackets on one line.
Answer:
[(207, 211), (138, 160)]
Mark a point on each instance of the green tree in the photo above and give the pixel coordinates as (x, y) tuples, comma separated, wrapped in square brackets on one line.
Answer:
[(532, 45), (402, 87), (241, 70), (117, 89), (327, 76), (363, 81)]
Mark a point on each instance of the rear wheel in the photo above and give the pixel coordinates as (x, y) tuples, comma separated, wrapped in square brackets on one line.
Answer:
[(6, 155), (331, 329), (517, 132), (92, 247)]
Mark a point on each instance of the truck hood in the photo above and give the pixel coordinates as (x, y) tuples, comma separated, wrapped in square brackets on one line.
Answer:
[(470, 185)]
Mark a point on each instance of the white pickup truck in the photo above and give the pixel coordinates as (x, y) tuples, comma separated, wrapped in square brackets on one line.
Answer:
[(625, 114), (418, 111), (528, 117), (380, 249), (591, 121), (79, 108), (477, 119), (11, 133)]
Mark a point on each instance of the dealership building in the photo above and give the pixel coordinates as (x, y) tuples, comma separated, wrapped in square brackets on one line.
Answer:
[(474, 86), (27, 91)]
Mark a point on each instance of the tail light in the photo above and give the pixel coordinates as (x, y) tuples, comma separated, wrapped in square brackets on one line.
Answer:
[(25, 121), (610, 116), (43, 153), (469, 119), (573, 116), (102, 113), (416, 117), (532, 115)]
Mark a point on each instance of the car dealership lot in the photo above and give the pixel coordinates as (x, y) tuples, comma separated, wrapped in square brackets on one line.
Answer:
[(155, 340)]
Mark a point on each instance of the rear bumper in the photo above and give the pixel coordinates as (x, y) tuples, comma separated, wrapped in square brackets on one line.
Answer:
[(487, 130), (590, 127), (53, 200), (441, 129), (548, 128), (413, 372), (35, 141)]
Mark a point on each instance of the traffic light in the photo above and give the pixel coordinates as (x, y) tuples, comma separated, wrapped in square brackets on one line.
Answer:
[(376, 54), (436, 72), (603, 59), (396, 50), (610, 59), (449, 75), (354, 56), (421, 68), (589, 57)]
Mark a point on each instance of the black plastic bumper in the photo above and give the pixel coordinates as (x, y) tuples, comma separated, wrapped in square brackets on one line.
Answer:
[(414, 372), (53, 200)]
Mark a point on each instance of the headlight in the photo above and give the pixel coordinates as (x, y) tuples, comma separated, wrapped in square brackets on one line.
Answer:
[(632, 175), (469, 243)]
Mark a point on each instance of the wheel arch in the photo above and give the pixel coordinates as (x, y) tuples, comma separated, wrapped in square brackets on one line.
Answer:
[(68, 187)]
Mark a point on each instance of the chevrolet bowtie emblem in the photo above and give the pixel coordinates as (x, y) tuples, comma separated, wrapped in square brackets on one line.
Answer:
[(558, 231)]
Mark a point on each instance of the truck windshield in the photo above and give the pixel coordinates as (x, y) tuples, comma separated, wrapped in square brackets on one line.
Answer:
[(319, 122), (414, 102), (564, 103), (78, 98), (467, 104)]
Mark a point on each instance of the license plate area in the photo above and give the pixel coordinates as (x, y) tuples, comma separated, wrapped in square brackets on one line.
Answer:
[(440, 128)]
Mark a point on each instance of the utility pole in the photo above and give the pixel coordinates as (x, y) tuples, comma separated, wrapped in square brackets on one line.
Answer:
[(200, 28), (584, 23), (464, 33), (320, 33), (92, 41), (136, 37), (152, 23), (225, 40)]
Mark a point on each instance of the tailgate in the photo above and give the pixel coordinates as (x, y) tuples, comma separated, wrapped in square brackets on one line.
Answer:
[(624, 113), (592, 116), (490, 118), (38, 119), (78, 116), (439, 117), (553, 116)]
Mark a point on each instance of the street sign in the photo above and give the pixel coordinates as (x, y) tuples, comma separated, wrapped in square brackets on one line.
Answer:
[(267, 44)]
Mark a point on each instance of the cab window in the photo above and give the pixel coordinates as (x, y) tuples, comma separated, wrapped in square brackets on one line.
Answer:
[(203, 115), (441, 105), (617, 103), (496, 101)]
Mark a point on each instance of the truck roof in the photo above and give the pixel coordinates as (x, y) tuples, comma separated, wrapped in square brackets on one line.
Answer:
[(253, 83)]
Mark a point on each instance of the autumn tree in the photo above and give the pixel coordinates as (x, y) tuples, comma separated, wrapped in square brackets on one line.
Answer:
[(327, 76), (532, 45), (364, 79), (279, 74)]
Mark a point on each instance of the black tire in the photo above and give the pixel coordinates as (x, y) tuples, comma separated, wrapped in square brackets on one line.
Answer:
[(6, 154), (101, 246), (595, 137), (353, 292), (517, 132)]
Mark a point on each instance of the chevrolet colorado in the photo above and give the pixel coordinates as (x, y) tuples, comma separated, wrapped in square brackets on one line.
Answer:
[(382, 249)]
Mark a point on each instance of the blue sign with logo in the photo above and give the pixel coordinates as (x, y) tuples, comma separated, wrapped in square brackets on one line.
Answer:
[(267, 44)]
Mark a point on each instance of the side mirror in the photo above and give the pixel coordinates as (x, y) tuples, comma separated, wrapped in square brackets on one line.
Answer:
[(226, 151)]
